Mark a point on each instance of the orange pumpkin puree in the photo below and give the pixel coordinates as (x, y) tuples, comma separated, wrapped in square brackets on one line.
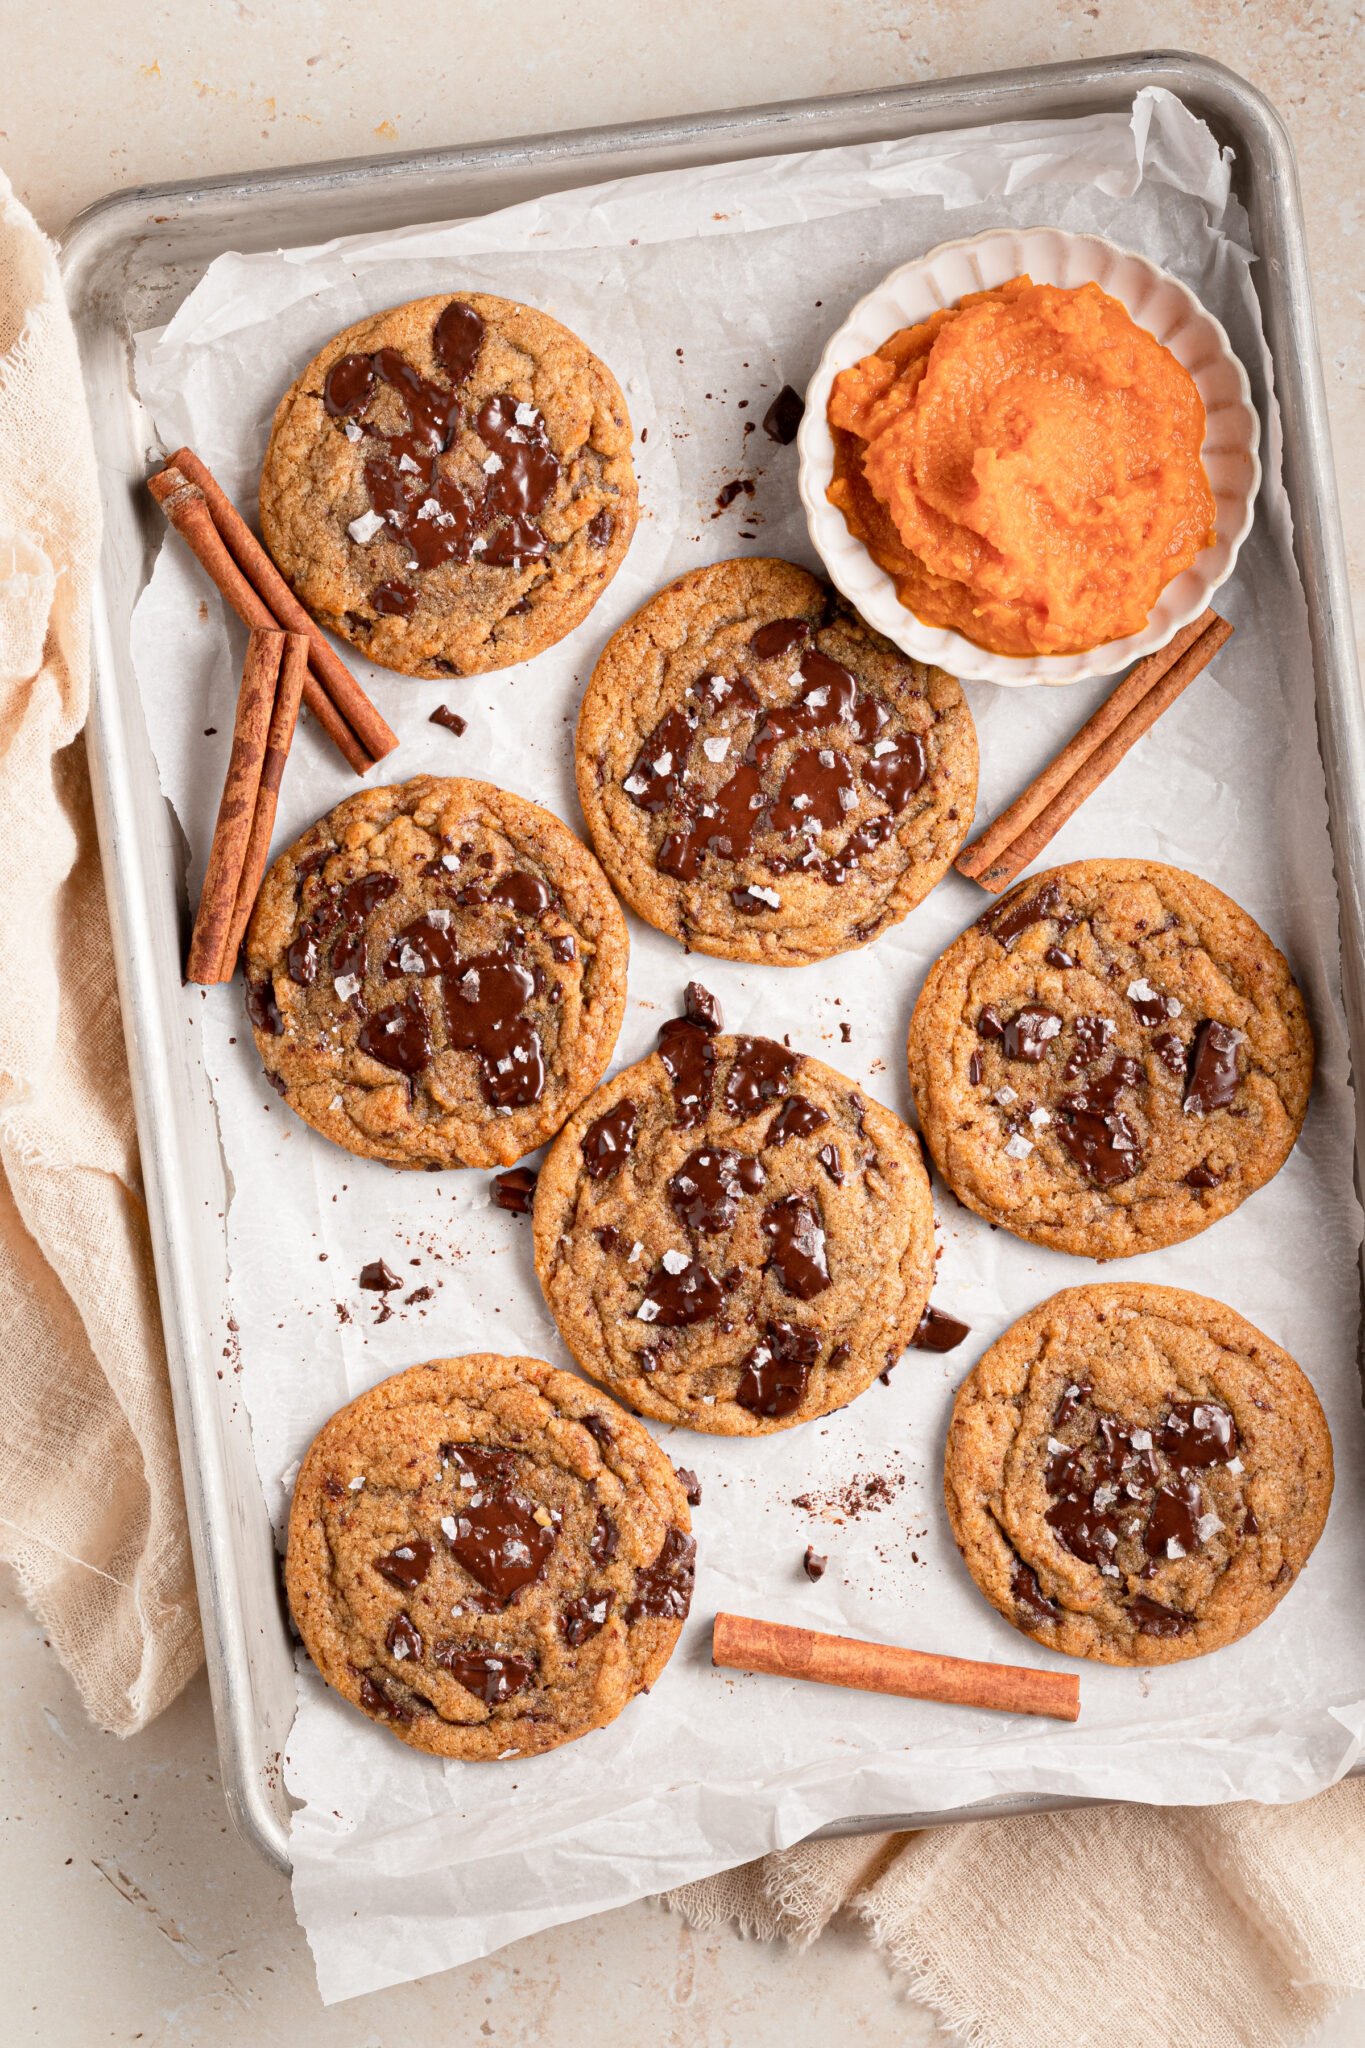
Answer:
[(1025, 467)]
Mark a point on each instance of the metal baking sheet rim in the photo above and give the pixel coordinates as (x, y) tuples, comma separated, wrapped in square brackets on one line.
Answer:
[(118, 247)]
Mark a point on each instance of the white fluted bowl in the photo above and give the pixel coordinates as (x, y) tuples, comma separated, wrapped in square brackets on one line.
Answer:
[(1156, 301)]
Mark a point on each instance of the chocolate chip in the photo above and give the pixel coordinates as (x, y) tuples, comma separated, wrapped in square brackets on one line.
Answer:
[(690, 1485), (451, 720), (813, 1565), (514, 1190), (408, 1565), (936, 1331), (377, 1278), (783, 417), (701, 1008)]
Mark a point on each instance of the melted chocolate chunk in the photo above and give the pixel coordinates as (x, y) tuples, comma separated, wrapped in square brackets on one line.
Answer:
[(456, 339), (514, 1190), (761, 1069), (828, 1156), (689, 1060), (701, 1008), (1101, 1139), (601, 527), (579, 1619), (779, 637), (989, 1023), (1173, 1524), (680, 1292), (483, 1466), (491, 1677), (690, 1485), (423, 947), (974, 1070), (408, 1565), (1152, 1619), (605, 1538), (784, 415), (1072, 1398), (1056, 957), (708, 1187), (396, 601), (1212, 1081), (375, 1699), (1203, 1176), (897, 769), (377, 1278), (1199, 1433), (403, 1639), (340, 918), (400, 1036), (451, 720), (813, 1565), (485, 1014), (657, 772), (936, 1331), (349, 386), (1169, 1048), (261, 1008), (664, 1588), (797, 1239), (775, 1372), (1149, 1006), (1028, 1033), (609, 1140), (817, 789), (1018, 912), (1029, 1594), (797, 1118), (501, 1544)]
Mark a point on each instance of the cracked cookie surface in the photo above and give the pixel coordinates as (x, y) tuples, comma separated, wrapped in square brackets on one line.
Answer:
[(1136, 1474), (763, 775), (449, 486), (436, 974), (488, 1556), (732, 1236), (1114, 1056)]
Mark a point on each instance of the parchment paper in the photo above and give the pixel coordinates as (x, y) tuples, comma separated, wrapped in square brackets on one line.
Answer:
[(706, 292)]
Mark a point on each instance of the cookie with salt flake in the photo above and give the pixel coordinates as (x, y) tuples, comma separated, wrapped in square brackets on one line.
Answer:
[(1111, 1058), (488, 1557), (1136, 1474), (763, 776), (732, 1236)]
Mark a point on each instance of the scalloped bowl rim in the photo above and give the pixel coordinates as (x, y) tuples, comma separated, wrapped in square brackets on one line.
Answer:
[(854, 573)]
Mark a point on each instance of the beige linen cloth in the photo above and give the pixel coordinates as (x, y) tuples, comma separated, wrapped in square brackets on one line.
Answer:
[(1236, 1926)]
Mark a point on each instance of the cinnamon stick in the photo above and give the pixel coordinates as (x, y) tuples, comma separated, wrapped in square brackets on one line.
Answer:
[(279, 738), (742, 1644), (232, 830), (336, 679), (185, 505), (1019, 834)]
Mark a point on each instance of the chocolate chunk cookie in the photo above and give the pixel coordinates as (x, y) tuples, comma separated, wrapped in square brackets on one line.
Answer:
[(763, 775), (1136, 1474), (1110, 1059), (436, 974), (449, 485), (731, 1236), (488, 1556)]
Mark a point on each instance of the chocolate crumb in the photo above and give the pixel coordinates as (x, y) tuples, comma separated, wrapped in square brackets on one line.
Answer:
[(701, 1008), (690, 1485)]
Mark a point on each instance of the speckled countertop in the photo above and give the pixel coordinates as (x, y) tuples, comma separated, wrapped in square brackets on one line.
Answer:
[(132, 1912)]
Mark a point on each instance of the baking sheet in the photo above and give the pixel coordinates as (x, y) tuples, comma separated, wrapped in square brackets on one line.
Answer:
[(725, 282)]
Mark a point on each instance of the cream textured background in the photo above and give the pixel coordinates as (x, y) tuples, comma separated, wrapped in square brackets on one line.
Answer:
[(132, 1913)]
